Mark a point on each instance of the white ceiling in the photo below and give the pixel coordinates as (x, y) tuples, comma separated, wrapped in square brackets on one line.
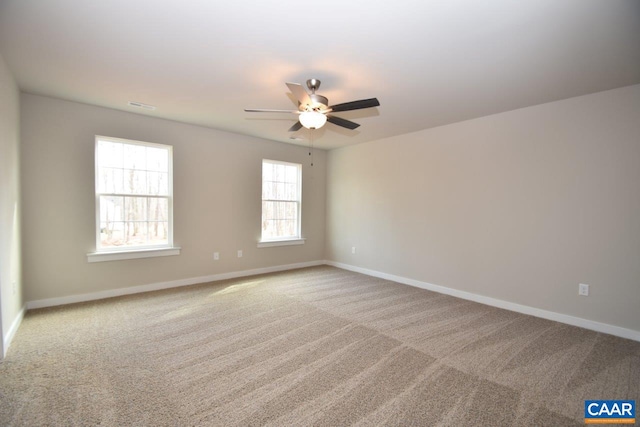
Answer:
[(428, 62)]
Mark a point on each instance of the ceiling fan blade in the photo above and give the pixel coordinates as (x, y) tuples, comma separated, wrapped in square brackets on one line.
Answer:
[(263, 110), (342, 122), (298, 91), (355, 105), (295, 127)]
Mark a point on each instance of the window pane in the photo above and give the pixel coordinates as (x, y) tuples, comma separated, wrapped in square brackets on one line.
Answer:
[(279, 190), (135, 208), (288, 227), (134, 156), (291, 211), (278, 172), (118, 180), (111, 208), (266, 190), (267, 172), (268, 210), (158, 209), (291, 191), (158, 232), (109, 154), (135, 181), (110, 180), (268, 229), (157, 183), (291, 174), (135, 233), (105, 179), (157, 159), (111, 234), (280, 210), (279, 228)]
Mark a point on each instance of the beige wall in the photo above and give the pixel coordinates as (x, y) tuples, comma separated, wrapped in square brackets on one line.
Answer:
[(10, 281), (520, 206), (217, 207)]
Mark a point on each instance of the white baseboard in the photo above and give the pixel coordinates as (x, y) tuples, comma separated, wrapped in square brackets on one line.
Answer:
[(50, 302), (6, 342), (524, 309)]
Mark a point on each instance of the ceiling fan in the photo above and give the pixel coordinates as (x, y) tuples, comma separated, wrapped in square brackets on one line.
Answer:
[(314, 109)]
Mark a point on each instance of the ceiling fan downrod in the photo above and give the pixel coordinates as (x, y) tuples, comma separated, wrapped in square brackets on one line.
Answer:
[(313, 85)]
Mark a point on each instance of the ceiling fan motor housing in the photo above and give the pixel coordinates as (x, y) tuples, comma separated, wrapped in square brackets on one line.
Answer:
[(317, 103)]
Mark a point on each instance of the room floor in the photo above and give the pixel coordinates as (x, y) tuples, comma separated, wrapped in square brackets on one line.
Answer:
[(315, 346)]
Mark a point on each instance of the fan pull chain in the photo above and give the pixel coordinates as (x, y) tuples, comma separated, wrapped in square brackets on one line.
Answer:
[(311, 148)]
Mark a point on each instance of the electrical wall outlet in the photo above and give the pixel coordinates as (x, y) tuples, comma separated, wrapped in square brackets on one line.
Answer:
[(583, 290), (14, 287), (216, 256), (240, 253), (353, 249)]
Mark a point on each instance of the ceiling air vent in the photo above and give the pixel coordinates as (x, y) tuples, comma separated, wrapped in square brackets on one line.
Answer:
[(141, 105)]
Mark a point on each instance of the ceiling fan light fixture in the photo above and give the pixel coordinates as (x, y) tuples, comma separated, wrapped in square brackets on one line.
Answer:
[(312, 119)]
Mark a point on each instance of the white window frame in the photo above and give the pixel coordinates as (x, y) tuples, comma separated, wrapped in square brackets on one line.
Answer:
[(289, 240), (139, 251)]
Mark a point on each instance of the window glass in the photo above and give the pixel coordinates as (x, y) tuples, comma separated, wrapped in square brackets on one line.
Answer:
[(133, 194)]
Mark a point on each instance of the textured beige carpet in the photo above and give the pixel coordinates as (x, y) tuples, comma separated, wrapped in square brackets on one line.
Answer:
[(317, 346)]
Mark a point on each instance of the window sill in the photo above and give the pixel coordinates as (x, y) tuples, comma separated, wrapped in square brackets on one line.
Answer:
[(271, 243), (132, 254)]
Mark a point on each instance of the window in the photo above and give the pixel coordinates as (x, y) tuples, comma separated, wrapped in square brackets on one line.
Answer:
[(281, 202), (133, 195)]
